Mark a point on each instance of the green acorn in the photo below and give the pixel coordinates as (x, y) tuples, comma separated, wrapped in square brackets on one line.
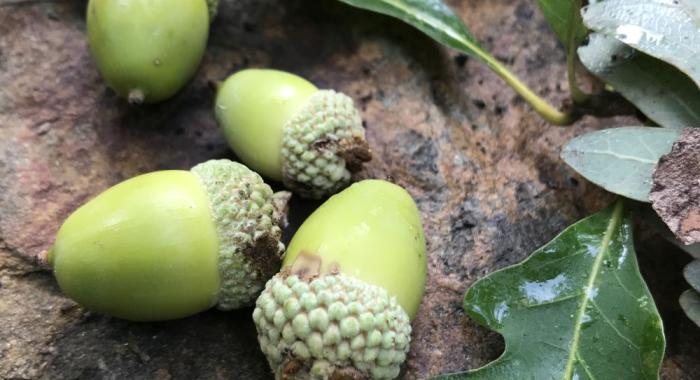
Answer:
[(168, 244), (285, 128), (351, 281), (147, 50)]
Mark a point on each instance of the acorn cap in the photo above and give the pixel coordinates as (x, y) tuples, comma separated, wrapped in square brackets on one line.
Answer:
[(332, 326), (322, 144), (247, 216)]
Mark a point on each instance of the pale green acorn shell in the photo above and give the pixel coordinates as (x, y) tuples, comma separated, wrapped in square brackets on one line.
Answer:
[(332, 323), (317, 143), (248, 228)]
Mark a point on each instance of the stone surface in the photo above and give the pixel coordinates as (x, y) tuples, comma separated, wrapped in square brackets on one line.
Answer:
[(482, 166), (675, 194)]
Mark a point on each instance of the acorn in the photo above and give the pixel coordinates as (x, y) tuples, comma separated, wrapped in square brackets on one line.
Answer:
[(351, 281), (147, 50), (288, 130), (168, 244)]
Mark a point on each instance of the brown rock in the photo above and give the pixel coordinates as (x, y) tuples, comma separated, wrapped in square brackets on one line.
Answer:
[(675, 193), (483, 167)]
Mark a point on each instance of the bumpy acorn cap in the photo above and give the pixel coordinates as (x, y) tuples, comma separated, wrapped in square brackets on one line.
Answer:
[(247, 216), (332, 326), (322, 144)]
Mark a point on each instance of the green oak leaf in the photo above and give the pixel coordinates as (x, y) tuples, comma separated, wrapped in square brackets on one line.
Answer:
[(692, 274), (690, 302), (432, 17), (665, 29), (562, 15), (693, 9), (577, 308), (662, 92), (621, 160), (690, 299), (439, 22)]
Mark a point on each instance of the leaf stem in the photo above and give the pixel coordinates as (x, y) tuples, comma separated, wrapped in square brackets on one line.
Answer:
[(546, 110), (455, 37), (577, 95)]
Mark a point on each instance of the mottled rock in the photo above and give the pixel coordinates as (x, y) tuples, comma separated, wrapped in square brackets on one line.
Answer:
[(675, 194), (482, 166)]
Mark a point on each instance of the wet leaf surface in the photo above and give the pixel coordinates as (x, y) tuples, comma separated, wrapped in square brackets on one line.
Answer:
[(661, 28), (621, 160), (693, 8), (432, 17), (662, 92), (578, 308)]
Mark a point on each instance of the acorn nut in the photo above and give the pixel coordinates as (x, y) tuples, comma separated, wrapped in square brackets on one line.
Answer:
[(168, 244), (351, 281), (147, 50), (288, 130)]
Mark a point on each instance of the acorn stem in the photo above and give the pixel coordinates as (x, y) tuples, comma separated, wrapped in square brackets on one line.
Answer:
[(544, 109), (45, 258), (355, 152)]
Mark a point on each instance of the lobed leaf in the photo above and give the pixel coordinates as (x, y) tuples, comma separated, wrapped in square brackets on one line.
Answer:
[(577, 308)]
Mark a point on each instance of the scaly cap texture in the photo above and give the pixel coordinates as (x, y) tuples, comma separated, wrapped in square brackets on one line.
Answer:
[(321, 144), (333, 326), (248, 227)]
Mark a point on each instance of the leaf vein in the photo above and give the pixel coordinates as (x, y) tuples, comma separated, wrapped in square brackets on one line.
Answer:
[(615, 220), (619, 281), (585, 367), (620, 156), (612, 325), (554, 300)]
